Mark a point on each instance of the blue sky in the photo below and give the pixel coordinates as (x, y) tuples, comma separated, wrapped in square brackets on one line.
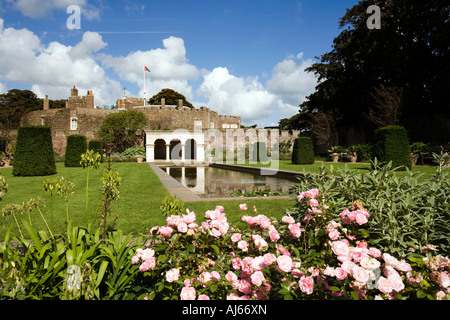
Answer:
[(242, 57)]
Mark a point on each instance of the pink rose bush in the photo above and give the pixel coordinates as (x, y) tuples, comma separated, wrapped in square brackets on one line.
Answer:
[(316, 255)]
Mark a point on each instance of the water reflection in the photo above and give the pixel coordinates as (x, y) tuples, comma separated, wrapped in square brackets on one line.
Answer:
[(212, 182)]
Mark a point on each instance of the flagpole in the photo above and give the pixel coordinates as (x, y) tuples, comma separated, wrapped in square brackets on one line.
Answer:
[(145, 100)]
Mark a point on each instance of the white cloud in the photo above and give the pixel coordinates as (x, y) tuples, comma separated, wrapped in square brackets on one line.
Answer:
[(40, 8), (169, 67), (55, 68), (231, 95), (291, 83), (3, 88)]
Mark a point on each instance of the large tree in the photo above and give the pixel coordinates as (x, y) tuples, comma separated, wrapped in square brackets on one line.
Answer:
[(122, 129), (171, 98), (409, 52)]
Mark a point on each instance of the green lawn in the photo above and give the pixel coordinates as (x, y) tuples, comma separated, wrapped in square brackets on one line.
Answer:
[(357, 167), (141, 194)]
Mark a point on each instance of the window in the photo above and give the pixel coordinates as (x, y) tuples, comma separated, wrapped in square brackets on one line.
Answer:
[(73, 123)]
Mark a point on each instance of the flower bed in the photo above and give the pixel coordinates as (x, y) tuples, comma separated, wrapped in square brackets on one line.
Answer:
[(314, 257)]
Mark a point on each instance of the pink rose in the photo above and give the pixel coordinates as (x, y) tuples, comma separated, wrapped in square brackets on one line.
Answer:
[(444, 279), (243, 206), (188, 293), (361, 219), (236, 237), (313, 202), (231, 276), (182, 227), (219, 208), (257, 278), (264, 222), (374, 252), (189, 218), (243, 245), (340, 248), (205, 277), (384, 285), (165, 231), (360, 274), (288, 219), (294, 230), (333, 235), (269, 258), (273, 234), (245, 286), (341, 274), (203, 297), (233, 296), (306, 285), (284, 263), (172, 275)]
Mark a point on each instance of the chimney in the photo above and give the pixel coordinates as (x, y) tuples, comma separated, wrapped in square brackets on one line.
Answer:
[(46, 103), (90, 100), (163, 102), (74, 92), (180, 103)]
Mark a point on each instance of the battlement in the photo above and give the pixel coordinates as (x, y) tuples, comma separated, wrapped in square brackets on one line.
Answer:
[(76, 101)]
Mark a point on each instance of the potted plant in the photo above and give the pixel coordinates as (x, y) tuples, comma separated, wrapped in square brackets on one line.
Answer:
[(417, 149), (446, 151), (352, 156), (334, 153), (6, 159)]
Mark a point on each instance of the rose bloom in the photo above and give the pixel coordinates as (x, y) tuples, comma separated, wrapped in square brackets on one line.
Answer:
[(231, 276), (287, 219), (333, 235), (182, 227), (236, 263), (384, 285), (189, 218), (245, 286), (294, 230), (236, 237), (172, 275), (258, 263), (257, 278), (340, 273), (284, 263), (165, 231), (306, 285), (243, 245), (273, 234), (147, 254), (264, 221), (360, 274), (187, 293), (313, 202), (444, 279), (340, 248), (374, 252), (243, 206), (219, 208), (269, 258), (203, 297), (361, 219), (369, 264)]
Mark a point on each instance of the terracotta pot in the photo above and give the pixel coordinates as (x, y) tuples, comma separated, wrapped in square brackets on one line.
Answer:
[(353, 159)]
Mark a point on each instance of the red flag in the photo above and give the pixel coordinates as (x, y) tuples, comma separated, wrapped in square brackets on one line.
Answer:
[(146, 69)]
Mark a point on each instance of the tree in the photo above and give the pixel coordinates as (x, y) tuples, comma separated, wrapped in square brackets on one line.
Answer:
[(34, 152), (410, 52), (122, 129), (171, 98), (13, 105), (387, 106)]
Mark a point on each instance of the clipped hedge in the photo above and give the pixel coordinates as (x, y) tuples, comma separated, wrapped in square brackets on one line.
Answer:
[(302, 152), (76, 146), (96, 145), (391, 144), (34, 152)]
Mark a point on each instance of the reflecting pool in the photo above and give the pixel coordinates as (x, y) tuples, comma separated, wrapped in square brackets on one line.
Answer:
[(209, 182)]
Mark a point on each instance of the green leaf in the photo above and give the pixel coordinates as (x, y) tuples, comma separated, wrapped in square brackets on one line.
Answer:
[(190, 247), (420, 294)]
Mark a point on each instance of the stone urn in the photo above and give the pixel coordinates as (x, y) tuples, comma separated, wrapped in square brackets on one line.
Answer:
[(335, 157), (414, 158), (139, 158), (353, 158)]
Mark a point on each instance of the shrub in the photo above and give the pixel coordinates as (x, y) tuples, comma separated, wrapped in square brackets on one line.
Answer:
[(134, 151), (97, 146), (391, 144), (302, 152), (34, 152), (364, 152), (76, 146)]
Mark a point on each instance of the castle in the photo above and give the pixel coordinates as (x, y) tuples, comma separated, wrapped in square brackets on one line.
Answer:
[(169, 126)]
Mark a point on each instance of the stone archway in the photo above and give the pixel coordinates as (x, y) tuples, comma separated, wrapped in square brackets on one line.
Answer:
[(160, 149), (175, 150), (191, 149)]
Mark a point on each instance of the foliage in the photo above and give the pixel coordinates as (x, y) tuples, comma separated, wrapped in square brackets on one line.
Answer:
[(362, 59), (90, 158), (364, 152), (76, 146), (406, 213), (34, 152), (120, 130), (110, 192), (171, 98), (134, 151), (418, 147), (391, 144), (302, 152), (171, 206), (96, 145)]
